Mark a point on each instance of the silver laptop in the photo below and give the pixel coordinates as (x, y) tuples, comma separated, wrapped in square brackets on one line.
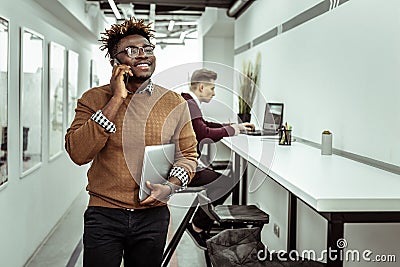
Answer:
[(157, 163), (273, 118)]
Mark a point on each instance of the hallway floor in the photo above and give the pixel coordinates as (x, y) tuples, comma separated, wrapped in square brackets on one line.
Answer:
[(63, 247)]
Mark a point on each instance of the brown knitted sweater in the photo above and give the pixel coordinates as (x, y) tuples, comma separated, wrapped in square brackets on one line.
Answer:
[(143, 119)]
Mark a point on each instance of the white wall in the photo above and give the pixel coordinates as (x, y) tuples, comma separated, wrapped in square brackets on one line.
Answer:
[(338, 72), (333, 74), (264, 15), (220, 50), (216, 38), (216, 34), (173, 56), (31, 206), (273, 199)]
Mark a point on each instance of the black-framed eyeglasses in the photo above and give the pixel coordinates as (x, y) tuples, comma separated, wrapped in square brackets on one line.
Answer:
[(133, 51)]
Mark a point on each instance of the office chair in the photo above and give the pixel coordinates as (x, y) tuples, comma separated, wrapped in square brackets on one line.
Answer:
[(225, 217), (233, 216)]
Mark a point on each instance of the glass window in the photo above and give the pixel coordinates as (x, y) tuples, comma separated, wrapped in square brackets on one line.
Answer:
[(3, 99), (73, 66), (31, 100), (56, 98)]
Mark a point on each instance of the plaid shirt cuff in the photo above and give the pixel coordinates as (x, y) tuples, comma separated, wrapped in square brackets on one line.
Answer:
[(99, 118), (181, 174)]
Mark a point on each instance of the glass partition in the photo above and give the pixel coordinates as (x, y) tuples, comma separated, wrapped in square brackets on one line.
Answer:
[(56, 98), (3, 99), (31, 85), (73, 67)]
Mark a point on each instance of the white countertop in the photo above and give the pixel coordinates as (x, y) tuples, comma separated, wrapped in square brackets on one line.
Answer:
[(326, 183)]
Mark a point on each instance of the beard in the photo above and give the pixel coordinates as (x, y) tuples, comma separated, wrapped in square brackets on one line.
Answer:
[(144, 76), (141, 78)]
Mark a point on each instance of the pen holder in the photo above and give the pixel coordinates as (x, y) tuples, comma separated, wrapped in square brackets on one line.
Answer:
[(285, 137), (326, 143)]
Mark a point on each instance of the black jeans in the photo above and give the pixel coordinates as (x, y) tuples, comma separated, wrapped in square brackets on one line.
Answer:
[(218, 189), (138, 236)]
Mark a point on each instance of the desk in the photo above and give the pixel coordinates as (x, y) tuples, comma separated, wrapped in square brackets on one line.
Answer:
[(339, 189)]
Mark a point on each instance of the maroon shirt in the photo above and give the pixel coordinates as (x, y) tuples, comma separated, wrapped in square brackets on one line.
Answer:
[(206, 131)]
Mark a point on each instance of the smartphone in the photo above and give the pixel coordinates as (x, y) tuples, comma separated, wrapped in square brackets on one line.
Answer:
[(126, 75), (116, 61)]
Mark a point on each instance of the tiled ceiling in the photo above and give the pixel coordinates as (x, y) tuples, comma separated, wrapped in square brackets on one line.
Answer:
[(174, 20)]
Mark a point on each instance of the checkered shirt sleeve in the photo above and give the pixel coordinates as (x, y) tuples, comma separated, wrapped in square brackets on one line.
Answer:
[(102, 120), (181, 174)]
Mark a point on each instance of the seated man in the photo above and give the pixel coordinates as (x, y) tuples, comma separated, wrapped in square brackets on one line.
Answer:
[(218, 186)]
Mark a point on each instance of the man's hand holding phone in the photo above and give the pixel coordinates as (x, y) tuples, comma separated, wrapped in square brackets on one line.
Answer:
[(119, 78)]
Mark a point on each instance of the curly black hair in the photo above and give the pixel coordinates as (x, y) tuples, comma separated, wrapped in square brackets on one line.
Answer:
[(118, 31)]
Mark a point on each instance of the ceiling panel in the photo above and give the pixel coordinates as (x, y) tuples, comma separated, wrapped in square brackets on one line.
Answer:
[(184, 14)]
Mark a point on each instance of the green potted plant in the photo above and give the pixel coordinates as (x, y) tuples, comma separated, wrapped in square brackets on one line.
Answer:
[(248, 88)]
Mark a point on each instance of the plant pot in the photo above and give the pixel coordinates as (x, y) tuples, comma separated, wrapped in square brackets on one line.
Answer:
[(245, 117)]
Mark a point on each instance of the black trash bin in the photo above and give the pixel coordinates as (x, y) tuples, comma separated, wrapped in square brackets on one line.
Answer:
[(243, 247)]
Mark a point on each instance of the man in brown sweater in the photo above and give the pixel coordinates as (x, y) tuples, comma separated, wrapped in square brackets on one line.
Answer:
[(112, 125)]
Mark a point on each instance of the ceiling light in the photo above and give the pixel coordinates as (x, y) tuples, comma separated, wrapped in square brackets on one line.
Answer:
[(115, 9), (182, 36), (171, 25), (152, 16), (158, 34), (127, 10)]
